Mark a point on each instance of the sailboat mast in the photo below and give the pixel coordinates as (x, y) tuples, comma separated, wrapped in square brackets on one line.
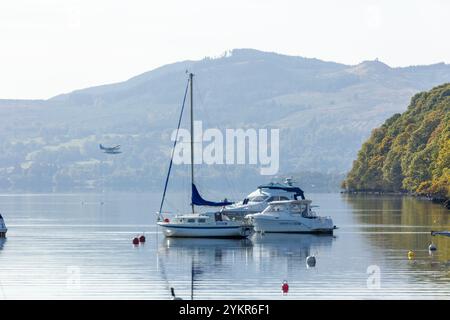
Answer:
[(191, 79), (192, 279)]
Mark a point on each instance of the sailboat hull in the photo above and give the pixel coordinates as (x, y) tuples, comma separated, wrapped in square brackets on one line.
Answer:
[(182, 231)]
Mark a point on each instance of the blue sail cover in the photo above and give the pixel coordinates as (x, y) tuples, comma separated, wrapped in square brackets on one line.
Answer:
[(199, 201)]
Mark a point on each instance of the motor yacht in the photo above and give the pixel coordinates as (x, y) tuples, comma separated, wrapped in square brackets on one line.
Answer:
[(259, 199), (290, 216)]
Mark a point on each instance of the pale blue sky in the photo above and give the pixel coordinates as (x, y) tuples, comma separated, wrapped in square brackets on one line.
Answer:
[(53, 46)]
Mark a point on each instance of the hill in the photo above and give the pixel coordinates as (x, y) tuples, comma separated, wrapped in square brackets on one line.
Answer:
[(324, 110), (410, 152)]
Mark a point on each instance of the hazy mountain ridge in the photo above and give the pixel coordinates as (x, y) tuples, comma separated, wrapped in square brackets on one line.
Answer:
[(325, 110)]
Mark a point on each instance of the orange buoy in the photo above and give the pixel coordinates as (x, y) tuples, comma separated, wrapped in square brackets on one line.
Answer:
[(142, 238), (135, 241)]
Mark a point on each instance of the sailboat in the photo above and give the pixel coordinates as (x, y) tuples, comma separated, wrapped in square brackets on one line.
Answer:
[(194, 224)]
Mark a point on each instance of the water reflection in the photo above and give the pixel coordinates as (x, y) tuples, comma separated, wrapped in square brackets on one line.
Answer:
[(58, 232), (2, 242), (293, 246), (273, 246), (398, 224), (210, 253), (262, 259)]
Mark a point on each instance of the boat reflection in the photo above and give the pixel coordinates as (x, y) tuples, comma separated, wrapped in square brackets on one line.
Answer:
[(2, 242), (211, 252), (202, 259), (196, 244), (224, 255), (291, 248)]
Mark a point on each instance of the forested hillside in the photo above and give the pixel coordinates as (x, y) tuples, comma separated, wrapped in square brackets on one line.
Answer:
[(410, 152)]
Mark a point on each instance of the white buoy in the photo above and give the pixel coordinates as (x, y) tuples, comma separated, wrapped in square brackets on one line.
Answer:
[(432, 247), (310, 261)]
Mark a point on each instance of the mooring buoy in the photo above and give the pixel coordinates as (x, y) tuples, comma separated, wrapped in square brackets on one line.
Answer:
[(310, 261), (285, 287)]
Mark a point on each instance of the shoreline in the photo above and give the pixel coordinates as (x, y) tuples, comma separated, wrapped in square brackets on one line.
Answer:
[(435, 199)]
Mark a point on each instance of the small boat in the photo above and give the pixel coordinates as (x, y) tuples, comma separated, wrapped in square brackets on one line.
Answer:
[(3, 228), (440, 233), (205, 225), (290, 216), (259, 199), (195, 224)]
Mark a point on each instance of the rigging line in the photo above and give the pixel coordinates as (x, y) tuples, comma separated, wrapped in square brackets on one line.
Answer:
[(174, 145), (173, 207)]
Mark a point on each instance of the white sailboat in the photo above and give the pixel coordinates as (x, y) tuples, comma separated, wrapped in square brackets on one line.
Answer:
[(194, 224)]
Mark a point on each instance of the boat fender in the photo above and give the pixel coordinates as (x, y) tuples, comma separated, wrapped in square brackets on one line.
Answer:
[(166, 220), (142, 238), (135, 241), (411, 254)]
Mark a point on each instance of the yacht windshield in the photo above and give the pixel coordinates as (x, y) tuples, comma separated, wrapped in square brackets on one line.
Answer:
[(300, 208), (257, 198)]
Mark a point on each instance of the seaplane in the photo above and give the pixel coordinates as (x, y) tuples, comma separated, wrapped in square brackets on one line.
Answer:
[(110, 150), (440, 233)]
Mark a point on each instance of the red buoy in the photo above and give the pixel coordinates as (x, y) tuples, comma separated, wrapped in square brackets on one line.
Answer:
[(142, 238), (166, 220), (135, 241), (285, 287)]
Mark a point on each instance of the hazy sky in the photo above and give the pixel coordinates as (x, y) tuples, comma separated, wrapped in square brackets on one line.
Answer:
[(54, 46)]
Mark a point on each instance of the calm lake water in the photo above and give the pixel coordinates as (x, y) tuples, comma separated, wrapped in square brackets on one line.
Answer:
[(73, 247)]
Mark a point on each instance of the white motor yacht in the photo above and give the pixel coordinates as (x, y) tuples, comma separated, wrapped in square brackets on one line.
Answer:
[(290, 216), (259, 199)]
